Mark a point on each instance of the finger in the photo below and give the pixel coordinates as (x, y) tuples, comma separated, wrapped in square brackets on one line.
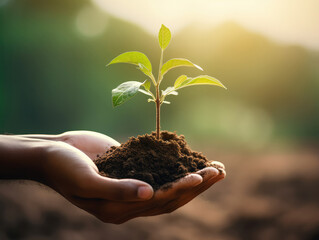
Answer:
[(167, 194), (186, 194), (209, 178), (217, 165), (173, 190), (209, 181), (172, 196), (117, 189), (208, 173), (165, 200), (179, 194)]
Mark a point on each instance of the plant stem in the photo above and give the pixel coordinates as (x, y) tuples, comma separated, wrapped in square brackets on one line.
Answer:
[(158, 101), (158, 117)]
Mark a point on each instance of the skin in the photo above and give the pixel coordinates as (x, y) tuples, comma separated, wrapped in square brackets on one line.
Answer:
[(64, 163)]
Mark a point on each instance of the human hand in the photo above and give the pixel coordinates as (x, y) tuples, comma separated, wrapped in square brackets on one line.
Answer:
[(165, 200), (70, 171)]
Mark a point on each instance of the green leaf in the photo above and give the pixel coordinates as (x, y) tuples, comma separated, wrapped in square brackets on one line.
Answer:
[(145, 70), (200, 80), (166, 102), (179, 80), (177, 62), (145, 92), (169, 91), (136, 58), (166, 92), (164, 37), (124, 92), (147, 85)]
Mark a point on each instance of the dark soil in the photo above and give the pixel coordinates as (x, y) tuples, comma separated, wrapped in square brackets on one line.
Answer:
[(156, 162)]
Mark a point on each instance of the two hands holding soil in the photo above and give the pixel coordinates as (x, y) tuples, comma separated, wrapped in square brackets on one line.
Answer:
[(65, 163)]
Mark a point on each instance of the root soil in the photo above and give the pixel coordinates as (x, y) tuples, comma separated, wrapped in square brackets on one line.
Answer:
[(157, 162)]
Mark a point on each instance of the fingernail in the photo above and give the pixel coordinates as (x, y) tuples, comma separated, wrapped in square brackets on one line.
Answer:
[(145, 192), (208, 173), (199, 181), (214, 173), (192, 180)]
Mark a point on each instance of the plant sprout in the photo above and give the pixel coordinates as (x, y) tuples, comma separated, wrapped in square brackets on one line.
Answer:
[(127, 90)]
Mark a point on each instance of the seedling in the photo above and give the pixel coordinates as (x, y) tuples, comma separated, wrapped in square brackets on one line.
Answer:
[(127, 90)]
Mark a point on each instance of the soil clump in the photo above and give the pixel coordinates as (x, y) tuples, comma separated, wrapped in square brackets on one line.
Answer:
[(157, 162)]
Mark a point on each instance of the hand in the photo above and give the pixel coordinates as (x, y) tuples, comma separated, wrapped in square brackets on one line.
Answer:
[(91, 143), (112, 200), (163, 201)]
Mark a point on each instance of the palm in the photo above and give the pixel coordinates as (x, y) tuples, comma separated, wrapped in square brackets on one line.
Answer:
[(91, 143)]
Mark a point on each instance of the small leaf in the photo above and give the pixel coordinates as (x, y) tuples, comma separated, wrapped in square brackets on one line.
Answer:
[(201, 80), (166, 102), (136, 58), (147, 85), (124, 92), (164, 37), (179, 80), (173, 93), (150, 100), (169, 91), (177, 62), (144, 70), (145, 92)]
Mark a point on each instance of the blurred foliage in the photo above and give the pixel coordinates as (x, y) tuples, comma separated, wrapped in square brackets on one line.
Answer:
[(53, 78)]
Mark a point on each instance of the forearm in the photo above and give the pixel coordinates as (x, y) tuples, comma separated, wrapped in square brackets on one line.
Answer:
[(21, 158)]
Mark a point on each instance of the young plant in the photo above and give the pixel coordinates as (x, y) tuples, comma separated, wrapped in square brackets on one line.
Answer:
[(127, 90)]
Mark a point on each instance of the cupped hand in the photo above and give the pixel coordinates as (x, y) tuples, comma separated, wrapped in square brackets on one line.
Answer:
[(70, 171), (89, 142)]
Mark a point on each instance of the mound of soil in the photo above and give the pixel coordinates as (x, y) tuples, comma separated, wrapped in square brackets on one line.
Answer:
[(154, 161)]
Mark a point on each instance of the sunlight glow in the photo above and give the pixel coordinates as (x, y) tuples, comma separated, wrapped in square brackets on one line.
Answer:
[(289, 21)]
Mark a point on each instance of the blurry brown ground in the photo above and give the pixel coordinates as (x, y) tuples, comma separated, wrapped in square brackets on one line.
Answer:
[(265, 196)]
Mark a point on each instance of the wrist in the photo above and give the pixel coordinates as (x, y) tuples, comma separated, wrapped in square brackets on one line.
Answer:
[(22, 158)]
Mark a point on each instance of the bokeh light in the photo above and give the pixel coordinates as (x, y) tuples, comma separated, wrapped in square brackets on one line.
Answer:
[(91, 22)]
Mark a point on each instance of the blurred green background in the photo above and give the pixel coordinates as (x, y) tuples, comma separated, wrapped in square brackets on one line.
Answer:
[(53, 79)]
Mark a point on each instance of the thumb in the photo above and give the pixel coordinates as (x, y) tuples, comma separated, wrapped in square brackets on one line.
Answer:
[(118, 189)]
